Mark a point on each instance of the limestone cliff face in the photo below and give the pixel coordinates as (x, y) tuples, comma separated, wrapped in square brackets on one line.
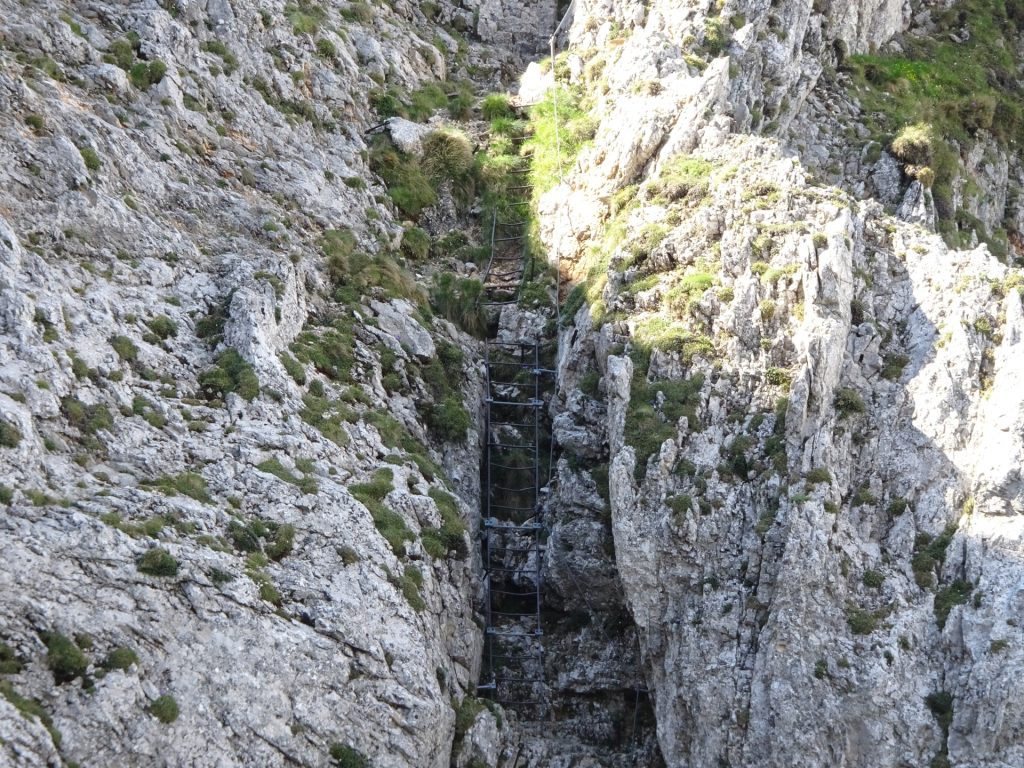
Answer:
[(808, 397), (229, 536), (239, 454)]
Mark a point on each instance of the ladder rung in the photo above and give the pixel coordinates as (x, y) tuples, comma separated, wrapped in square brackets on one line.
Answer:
[(514, 632)]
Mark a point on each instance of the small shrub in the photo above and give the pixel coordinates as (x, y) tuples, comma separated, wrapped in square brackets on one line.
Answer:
[(125, 348), (873, 579), (459, 299), (767, 310), (158, 562), (415, 244), (305, 17), (9, 662), (144, 75), (120, 658), (358, 12), (915, 144), (90, 158), (88, 419), (10, 435), (893, 367), (496, 105), (64, 658), (294, 368), (929, 553), (861, 622), (818, 475), (897, 507), (448, 420), (189, 484), (345, 756), (164, 708), (230, 374), (282, 543), (163, 327), (956, 593), (274, 467), (848, 401), (447, 154)]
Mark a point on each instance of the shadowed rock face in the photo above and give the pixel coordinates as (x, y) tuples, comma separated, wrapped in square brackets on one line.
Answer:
[(819, 547)]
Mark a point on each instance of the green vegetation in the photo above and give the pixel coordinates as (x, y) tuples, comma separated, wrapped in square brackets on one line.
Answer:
[(893, 366), (390, 524), (447, 154), (647, 425), (897, 507), (221, 49), (123, 53), (345, 756), (9, 662), (125, 348), (294, 368), (409, 584), (120, 658), (157, 562), (496, 106), (64, 658), (451, 535), (231, 373), (409, 187), (873, 579), (163, 327), (864, 622), (936, 97), (575, 130), (418, 106), (88, 419), (272, 539), (929, 554), (448, 419), (956, 593), (848, 402), (10, 435), (683, 177), (305, 17), (818, 475), (458, 299), (415, 244), (273, 466), (327, 416), (164, 708), (188, 484), (30, 708), (667, 335), (353, 275)]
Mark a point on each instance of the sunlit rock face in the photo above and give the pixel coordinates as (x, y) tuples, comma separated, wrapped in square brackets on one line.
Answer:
[(809, 398)]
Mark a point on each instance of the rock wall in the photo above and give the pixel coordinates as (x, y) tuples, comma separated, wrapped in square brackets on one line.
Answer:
[(222, 507), (800, 387)]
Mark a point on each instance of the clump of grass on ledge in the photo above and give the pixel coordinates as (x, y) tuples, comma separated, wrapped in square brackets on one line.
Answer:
[(230, 374), (390, 524)]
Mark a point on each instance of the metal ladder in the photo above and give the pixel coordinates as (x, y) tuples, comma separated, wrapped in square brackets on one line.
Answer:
[(509, 266), (512, 530)]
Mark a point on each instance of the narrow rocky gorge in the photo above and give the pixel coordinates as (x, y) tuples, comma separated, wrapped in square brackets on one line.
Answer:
[(774, 264)]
